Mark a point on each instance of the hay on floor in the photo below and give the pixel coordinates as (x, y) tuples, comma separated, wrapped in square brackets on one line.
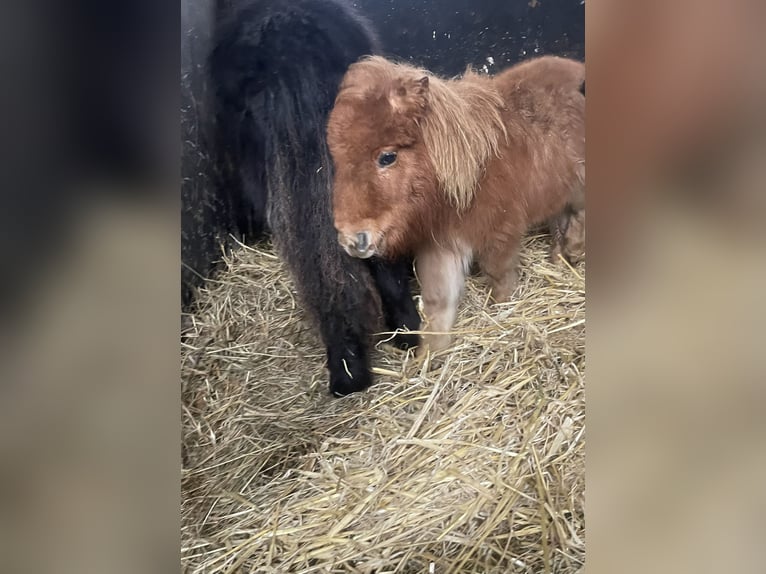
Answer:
[(472, 461)]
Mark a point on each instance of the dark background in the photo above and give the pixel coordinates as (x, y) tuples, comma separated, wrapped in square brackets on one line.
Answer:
[(446, 35)]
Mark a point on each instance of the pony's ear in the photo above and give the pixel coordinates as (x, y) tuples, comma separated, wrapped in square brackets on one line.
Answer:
[(410, 95)]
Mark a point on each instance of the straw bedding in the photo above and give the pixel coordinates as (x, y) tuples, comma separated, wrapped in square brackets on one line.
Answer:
[(470, 461)]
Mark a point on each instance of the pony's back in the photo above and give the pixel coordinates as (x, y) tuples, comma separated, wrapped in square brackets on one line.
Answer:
[(547, 72), (546, 103)]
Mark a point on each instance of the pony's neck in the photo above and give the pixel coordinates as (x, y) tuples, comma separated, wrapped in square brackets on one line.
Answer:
[(462, 130)]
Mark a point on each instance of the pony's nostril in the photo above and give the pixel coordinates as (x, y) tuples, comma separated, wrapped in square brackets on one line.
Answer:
[(362, 241)]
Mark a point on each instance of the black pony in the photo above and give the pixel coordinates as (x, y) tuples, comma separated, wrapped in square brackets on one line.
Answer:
[(273, 72)]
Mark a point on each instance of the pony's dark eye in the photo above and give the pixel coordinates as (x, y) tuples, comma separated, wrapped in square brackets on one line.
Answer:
[(386, 158)]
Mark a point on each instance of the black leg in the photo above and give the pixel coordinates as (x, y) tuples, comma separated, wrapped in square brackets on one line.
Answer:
[(347, 358), (337, 292), (393, 281)]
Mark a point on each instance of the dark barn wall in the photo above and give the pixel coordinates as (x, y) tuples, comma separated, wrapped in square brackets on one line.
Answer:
[(207, 215), (442, 35), (446, 35)]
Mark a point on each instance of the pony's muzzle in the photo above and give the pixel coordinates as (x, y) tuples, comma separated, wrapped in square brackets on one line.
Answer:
[(358, 245), (362, 241)]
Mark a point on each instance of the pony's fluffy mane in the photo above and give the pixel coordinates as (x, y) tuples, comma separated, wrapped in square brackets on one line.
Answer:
[(461, 127)]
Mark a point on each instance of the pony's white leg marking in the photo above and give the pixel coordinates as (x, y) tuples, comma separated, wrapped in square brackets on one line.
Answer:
[(441, 273)]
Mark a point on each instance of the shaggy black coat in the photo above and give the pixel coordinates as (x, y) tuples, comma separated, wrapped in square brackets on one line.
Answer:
[(275, 68)]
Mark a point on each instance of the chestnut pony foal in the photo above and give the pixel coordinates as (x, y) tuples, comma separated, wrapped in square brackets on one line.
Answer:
[(457, 170)]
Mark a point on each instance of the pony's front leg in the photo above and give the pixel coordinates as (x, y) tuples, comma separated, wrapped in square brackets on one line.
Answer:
[(393, 281), (442, 277)]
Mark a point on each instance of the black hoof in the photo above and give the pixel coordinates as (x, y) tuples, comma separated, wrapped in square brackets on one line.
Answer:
[(341, 384), (405, 341), (349, 373)]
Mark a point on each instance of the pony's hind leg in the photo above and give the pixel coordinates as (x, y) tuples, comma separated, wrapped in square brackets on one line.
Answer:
[(501, 266), (568, 236), (574, 239), (442, 277), (392, 279), (558, 226)]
